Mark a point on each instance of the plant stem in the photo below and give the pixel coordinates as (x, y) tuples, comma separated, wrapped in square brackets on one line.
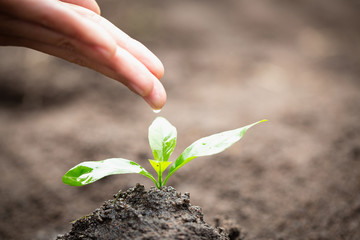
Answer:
[(160, 177), (166, 178)]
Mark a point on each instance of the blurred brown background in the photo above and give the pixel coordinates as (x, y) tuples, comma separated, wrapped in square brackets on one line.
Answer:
[(228, 63)]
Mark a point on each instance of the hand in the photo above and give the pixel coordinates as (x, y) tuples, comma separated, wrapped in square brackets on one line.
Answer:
[(75, 31)]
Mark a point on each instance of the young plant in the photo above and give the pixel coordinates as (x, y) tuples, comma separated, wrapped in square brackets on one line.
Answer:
[(162, 140)]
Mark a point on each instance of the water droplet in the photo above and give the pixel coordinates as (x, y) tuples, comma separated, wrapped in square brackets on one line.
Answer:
[(156, 110)]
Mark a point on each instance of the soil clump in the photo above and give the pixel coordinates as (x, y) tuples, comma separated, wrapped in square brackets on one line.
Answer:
[(140, 214)]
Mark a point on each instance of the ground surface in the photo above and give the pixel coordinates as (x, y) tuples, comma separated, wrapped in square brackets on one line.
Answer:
[(141, 214), (228, 63)]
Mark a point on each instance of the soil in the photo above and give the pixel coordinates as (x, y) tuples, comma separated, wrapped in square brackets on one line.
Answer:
[(228, 63), (140, 214)]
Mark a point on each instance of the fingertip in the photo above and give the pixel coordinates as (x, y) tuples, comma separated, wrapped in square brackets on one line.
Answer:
[(96, 7), (131, 72), (93, 6), (89, 4), (159, 69), (144, 55), (157, 97)]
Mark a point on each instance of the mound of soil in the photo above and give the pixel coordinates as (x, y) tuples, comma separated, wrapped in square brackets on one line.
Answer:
[(140, 214)]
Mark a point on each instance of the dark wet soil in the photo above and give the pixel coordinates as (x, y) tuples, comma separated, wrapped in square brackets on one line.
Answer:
[(140, 214), (227, 63)]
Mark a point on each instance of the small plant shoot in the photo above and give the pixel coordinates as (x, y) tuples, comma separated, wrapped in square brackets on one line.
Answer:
[(162, 139)]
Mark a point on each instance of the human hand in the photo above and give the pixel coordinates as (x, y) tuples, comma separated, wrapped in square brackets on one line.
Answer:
[(75, 31)]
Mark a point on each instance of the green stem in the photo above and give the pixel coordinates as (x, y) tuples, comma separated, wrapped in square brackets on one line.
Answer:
[(146, 174), (167, 177), (160, 176), (156, 183)]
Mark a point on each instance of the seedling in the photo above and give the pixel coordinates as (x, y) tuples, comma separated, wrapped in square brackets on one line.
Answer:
[(162, 140)]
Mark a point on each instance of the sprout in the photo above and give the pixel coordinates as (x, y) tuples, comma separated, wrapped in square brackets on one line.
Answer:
[(162, 140)]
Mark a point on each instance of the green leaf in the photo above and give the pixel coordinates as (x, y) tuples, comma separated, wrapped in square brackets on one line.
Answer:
[(162, 139), (159, 168), (208, 146), (89, 172)]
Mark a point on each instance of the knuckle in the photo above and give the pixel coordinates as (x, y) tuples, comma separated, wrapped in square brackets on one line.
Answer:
[(76, 59), (80, 61), (45, 20), (65, 44)]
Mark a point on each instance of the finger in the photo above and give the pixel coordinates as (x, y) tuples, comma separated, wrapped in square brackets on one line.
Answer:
[(13, 27), (58, 16), (122, 67), (130, 72), (157, 97), (89, 4), (137, 78), (134, 47)]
